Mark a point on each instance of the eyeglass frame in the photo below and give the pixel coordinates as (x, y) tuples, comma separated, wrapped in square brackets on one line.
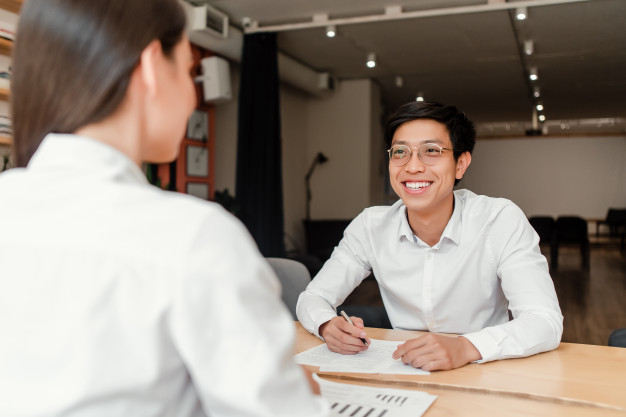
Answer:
[(419, 153)]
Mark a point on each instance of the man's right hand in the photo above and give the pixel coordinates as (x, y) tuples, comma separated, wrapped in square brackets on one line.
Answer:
[(344, 338)]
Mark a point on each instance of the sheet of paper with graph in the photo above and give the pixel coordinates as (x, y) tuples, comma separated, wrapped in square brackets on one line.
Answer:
[(361, 401)]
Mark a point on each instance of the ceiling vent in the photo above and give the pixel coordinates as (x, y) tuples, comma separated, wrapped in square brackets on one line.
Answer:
[(202, 17)]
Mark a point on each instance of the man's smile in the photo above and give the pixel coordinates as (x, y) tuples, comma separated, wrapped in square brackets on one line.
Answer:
[(417, 185)]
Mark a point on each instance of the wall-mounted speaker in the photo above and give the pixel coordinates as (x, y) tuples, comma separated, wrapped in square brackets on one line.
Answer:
[(215, 79)]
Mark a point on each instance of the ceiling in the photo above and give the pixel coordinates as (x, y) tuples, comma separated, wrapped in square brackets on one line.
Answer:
[(470, 54)]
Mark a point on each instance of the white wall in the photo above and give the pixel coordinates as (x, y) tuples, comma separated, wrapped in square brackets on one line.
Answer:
[(341, 128), (295, 137), (553, 176)]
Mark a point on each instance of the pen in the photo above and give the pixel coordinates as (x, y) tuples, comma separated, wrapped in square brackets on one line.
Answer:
[(345, 316)]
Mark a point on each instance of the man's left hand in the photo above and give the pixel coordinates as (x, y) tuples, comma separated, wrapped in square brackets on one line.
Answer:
[(435, 352)]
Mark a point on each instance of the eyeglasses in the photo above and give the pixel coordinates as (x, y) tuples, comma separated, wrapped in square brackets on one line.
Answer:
[(428, 153)]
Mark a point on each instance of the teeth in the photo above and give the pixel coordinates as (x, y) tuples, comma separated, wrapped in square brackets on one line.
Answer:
[(417, 185)]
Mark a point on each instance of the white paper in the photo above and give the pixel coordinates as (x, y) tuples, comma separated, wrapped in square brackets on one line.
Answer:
[(360, 401), (376, 359)]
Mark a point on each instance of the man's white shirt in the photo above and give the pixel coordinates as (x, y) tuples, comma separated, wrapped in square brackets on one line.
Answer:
[(486, 263)]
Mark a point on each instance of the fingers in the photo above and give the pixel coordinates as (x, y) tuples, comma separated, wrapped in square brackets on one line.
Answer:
[(358, 322), (342, 337), (430, 352), (408, 346)]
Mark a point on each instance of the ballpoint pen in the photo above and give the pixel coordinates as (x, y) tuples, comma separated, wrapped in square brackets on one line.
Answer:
[(345, 316)]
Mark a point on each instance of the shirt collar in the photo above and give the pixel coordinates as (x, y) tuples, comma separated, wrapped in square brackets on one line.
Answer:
[(67, 152), (452, 230)]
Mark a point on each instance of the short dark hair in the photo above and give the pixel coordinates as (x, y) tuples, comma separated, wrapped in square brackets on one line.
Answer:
[(73, 60), (460, 127)]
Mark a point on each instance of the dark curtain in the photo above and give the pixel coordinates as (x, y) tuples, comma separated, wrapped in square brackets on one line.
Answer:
[(259, 163)]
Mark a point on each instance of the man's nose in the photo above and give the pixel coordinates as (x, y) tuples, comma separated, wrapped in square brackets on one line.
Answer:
[(415, 164)]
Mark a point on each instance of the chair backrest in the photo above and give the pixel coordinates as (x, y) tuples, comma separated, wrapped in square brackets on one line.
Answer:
[(294, 277), (616, 216), (571, 229), (544, 226)]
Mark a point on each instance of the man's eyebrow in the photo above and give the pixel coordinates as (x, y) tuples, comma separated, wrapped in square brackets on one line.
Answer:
[(404, 142)]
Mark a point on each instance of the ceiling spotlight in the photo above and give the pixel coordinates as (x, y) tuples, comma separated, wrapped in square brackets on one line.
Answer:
[(521, 13), (529, 47), (371, 60), (399, 81), (539, 106), (420, 96), (536, 92), (331, 31), (542, 118), (533, 74)]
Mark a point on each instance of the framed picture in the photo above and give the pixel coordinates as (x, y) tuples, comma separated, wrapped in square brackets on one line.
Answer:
[(198, 126), (197, 161), (198, 189)]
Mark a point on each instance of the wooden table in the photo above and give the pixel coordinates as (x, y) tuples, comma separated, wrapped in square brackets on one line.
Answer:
[(573, 380)]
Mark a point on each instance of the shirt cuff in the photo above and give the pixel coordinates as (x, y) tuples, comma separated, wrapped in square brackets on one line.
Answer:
[(485, 344), (321, 319)]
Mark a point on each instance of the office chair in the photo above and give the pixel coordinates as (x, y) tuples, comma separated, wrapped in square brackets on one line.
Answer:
[(570, 230), (618, 338), (615, 219), (293, 277), (544, 226)]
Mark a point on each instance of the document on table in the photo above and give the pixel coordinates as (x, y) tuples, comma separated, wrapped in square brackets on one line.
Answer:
[(375, 360), (360, 401)]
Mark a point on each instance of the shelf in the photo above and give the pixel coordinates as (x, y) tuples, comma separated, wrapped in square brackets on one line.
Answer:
[(6, 47), (5, 140), (11, 5), (4, 94)]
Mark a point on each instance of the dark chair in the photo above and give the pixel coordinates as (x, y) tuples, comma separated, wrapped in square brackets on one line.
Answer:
[(373, 316), (570, 230), (615, 220), (323, 235), (544, 226), (618, 338)]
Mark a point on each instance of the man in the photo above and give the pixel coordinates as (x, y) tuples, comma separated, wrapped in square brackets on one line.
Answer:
[(446, 261)]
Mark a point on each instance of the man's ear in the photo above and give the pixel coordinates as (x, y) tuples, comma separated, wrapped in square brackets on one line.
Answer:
[(462, 164), (148, 65)]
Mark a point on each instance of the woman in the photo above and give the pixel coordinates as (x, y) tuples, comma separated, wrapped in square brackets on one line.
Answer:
[(117, 298)]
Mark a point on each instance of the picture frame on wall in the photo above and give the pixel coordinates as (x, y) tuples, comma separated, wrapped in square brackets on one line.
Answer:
[(197, 158), (198, 189), (198, 126)]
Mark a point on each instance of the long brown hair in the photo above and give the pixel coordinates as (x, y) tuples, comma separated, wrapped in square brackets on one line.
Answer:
[(73, 60)]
